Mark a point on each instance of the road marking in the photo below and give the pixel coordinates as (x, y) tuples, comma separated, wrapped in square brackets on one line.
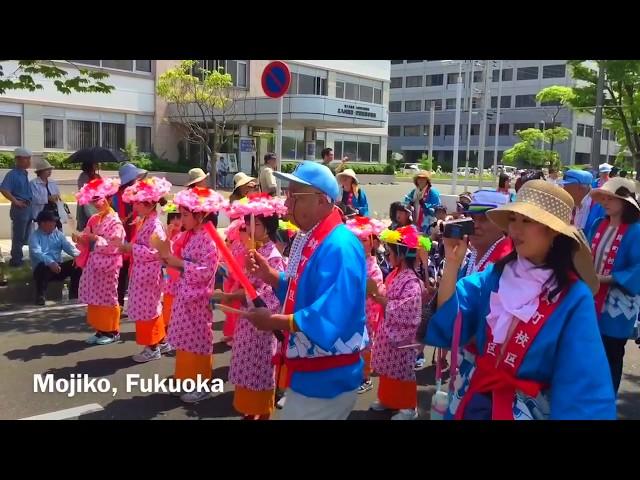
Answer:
[(69, 413)]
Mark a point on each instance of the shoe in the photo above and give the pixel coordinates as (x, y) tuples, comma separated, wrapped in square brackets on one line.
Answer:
[(365, 386), (406, 414), (165, 348), (93, 339), (377, 407), (419, 364), (107, 339), (147, 355), (41, 301), (194, 397), (280, 403)]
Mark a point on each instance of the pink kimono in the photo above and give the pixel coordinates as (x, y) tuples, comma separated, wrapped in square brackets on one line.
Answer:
[(191, 317), (170, 283), (372, 308), (145, 282), (399, 327), (99, 281), (229, 285), (253, 350)]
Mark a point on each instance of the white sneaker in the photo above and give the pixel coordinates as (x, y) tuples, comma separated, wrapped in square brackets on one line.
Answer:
[(406, 414), (165, 348), (147, 355), (194, 397), (377, 407)]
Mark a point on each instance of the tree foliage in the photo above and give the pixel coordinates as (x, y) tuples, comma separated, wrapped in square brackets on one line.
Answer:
[(528, 150)]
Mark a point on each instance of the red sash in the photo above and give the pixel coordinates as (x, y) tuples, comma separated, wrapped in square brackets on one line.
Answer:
[(84, 246), (179, 244), (603, 291), (316, 363), (496, 368)]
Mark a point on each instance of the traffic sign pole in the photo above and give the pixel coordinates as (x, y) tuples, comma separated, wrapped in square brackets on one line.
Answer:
[(279, 145)]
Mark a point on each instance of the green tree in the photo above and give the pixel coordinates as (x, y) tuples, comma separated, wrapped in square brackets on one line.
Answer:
[(527, 150), (557, 98), (203, 101), (22, 78), (426, 162), (621, 111)]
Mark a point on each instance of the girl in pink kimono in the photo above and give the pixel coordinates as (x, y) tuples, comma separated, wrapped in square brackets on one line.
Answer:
[(191, 331), (145, 280), (236, 238), (252, 369), (100, 260), (366, 229), (175, 235), (403, 310)]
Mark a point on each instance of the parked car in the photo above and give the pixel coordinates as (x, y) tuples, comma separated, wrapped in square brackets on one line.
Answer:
[(410, 168)]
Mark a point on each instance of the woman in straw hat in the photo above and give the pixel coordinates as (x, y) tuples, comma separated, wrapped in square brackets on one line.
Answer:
[(402, 305), (614, 243), (191, 331), (101, 260), (145, 292), (532, 317), (424, 199), (243, 184), (197, 178), (353, 194), (46, 194)]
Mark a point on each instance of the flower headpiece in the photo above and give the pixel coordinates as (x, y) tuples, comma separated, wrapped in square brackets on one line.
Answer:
[(365, 227), (150, 189), (406, 236), (232, 232), (199, 199), (97, 188), (170, 207), (257, 204)]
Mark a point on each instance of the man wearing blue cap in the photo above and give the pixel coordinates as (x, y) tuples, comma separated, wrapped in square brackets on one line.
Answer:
[(323, 293), (578, 183)]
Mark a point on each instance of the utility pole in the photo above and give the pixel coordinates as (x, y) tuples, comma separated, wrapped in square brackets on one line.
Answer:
[(483, 126), (597, 123)]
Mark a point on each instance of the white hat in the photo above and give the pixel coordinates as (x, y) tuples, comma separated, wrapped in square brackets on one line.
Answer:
[(43, 165), (605, 168), (22, 152)]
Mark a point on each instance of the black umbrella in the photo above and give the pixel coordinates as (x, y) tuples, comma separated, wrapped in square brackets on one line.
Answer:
[(96, 155)]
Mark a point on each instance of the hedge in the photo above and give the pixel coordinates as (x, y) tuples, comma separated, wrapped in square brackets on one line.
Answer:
[(359, 168)]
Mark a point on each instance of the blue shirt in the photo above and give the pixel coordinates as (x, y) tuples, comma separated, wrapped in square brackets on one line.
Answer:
[(567, 355), (329, 313), (16, 182), (47, 249)]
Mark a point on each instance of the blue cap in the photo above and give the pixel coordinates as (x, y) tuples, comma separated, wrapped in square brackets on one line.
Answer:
[(577, 177), (314, 175)]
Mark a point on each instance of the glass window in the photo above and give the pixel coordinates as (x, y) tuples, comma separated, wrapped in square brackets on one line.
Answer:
[(394, 130), (524, 101), (339, 89), (522, 126), (507, 75), (82, 134), (477, 76), (350, 149), (293, 86), (413, 81), (552, 103), (10, 131), (412, 131), (306, 84), (351, 92), (118, 64), (95, 63), (504, 129), (113, 136), (242, 74), (300, 148), (143, 139), (436, 130), (528, 73), (412, 105), (452, 78), (366, 94), (337, 148), (451, 104), (475, 103), (475, 129), (414, 61), (143, 65), (505, 102), (588, 131), (434, 80), (554, 71), (605, 134), (580, 130), (319, 148), (288, 146), (53, 133), (395, 106), (397, 62), (364, 152), (494, 102), (449, 130), (375, 152), (377, 96), (396, 82), (437, 104)]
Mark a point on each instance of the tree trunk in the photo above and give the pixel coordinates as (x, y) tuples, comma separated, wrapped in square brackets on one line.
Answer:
[(636, 165)]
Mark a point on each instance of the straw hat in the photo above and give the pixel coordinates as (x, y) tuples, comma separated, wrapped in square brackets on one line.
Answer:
[(610, 188), (196, 175), (421, 174), (240, 179), (549, 205), (348, 173), (43, 165)]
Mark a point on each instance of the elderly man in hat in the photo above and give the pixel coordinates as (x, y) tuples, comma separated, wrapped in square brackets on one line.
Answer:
[(267, 179), (323, 293), (604, 171), (128, 174), (45, 249), (15, 187), (578, 183)]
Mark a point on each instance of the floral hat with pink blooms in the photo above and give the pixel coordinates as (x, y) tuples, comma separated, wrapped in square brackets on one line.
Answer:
[(365, 227), (256, 204), (97, 188), (150, 189), (200, 200), (406, 237)]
